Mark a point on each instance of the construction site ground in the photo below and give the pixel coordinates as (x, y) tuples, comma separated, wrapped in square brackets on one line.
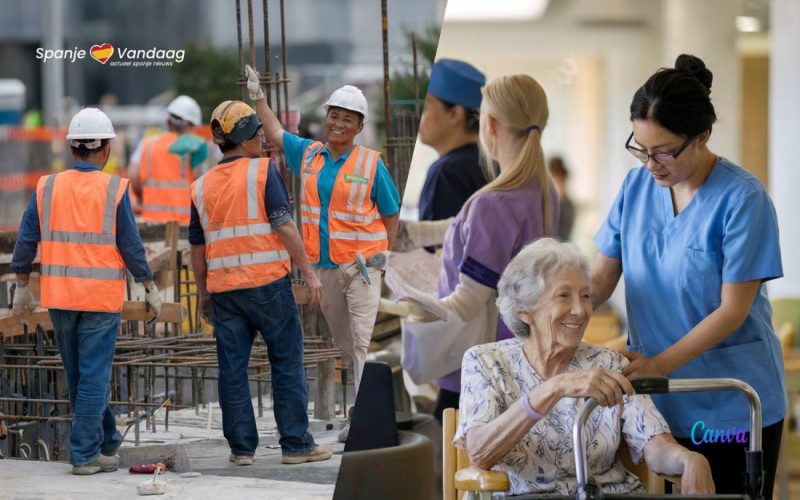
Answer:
[(193, 443)]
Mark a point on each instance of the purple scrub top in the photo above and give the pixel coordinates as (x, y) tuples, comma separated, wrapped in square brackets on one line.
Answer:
[(481, 243)]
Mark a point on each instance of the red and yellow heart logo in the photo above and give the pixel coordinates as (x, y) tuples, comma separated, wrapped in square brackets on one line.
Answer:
[(102, 53)]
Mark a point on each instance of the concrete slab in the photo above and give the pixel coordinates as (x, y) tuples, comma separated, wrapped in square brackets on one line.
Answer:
[(193, 443), (29, 480)]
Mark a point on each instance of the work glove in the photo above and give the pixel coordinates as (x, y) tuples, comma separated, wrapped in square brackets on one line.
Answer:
[(379, 260), (152, 299), (23, 300), (253, 84), (206, 308)]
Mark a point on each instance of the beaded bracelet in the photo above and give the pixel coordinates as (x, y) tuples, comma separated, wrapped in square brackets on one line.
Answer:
[(526, 405)]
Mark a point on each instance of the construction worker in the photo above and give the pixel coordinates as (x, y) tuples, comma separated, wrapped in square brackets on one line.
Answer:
[(162, 167), (242, 237), (350, 212), (82, 220)]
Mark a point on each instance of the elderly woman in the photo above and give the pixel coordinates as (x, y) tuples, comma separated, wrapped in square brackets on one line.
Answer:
[(519, 396)]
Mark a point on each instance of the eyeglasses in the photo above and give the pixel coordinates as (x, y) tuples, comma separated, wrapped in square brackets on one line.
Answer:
[(662, 158)]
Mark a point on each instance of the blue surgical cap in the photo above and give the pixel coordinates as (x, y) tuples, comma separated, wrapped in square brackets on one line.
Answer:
[(456, 82)]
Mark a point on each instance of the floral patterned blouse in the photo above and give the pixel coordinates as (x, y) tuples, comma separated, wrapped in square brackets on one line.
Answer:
[(495, 376)]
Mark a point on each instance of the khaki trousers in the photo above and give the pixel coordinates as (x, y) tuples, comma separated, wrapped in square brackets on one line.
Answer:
[(350, 307)]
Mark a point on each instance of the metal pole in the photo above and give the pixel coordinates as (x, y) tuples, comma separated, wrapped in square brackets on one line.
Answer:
[(283, 62), (250, 32), (53, 71), (387, 88), (239, 44), (267, 51)]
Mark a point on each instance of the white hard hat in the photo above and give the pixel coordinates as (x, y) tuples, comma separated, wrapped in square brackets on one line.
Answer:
[(348, 97), (90, 123), (186, 108)]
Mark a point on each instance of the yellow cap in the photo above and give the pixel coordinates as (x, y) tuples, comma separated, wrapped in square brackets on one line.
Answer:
[(234, 121)]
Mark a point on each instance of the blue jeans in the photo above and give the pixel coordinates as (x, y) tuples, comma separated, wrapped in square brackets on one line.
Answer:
[(86, 343), (270, 309)]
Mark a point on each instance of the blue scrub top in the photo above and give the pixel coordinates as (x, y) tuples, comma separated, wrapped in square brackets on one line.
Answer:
[(674, 268), (384, 193)]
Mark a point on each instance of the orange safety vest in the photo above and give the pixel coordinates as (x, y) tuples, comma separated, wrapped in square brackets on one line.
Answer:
[(354, 223), (241, 249), (82, 269), (165, 179)]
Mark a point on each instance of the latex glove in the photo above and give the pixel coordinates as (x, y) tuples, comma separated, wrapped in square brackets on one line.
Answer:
[(253, 84), (413, 233), (206, 308), (23, 300), (152, 299)]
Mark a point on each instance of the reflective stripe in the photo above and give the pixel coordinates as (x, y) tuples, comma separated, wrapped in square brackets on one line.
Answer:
[(238, 231), (105, 237), (95, 273), (354, 217), (166, 208), (357, 173), (149, 158), (47, 202), (166, 184), (366, 174), (309, 208), (198, 202), (310, 154), (79, 237), (252, 188), (247, 259), (111, 206), (359, 236), (309, 220)]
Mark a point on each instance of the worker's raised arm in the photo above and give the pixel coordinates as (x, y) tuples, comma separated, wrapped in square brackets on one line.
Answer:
[(272, 126)]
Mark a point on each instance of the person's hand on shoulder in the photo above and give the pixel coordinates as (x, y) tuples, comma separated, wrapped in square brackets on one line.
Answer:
[(641, 366)]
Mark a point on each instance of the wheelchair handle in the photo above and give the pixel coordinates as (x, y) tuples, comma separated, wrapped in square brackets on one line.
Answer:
[(663, 385)]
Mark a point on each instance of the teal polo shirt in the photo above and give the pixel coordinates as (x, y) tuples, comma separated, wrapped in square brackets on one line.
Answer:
[(384, 193)]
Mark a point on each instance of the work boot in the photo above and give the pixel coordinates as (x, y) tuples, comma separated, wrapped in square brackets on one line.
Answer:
[(242, 459), (342, 437), (103, 463), (319, 453)]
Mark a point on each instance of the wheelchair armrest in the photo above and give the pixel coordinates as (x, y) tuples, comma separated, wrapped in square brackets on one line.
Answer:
[(475, 479)]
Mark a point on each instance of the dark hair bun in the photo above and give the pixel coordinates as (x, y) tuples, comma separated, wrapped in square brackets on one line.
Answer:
[(696, 67)]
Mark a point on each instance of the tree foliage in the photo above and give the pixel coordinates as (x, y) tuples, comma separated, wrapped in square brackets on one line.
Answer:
[(208, 75)]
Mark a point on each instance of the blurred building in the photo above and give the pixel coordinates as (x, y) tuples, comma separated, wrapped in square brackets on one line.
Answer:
[(327, 41)]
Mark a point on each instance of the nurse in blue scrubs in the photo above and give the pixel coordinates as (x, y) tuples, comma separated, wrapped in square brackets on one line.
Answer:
[(696, 239)]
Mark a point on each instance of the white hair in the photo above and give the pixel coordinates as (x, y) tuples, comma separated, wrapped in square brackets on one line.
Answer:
[(522, 282)]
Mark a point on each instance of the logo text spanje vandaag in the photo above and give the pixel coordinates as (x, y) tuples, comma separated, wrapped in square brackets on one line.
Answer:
[(104, 52)]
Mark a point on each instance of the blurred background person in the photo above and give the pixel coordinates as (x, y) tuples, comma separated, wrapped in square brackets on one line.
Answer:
[(566, 210), (162, 167), (449, 124)]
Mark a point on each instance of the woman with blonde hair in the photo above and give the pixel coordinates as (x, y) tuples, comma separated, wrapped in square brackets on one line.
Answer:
[(499, 219)]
